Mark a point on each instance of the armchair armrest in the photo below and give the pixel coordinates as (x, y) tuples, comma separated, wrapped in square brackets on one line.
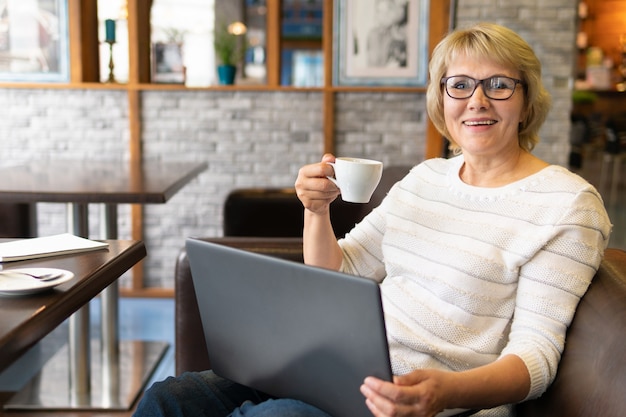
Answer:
[(591, 378)]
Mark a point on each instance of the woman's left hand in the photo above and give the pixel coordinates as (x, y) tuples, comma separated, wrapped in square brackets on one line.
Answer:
[(417, 394)]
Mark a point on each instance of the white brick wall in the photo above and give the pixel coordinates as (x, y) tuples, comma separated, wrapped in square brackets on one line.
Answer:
[(257, 138)]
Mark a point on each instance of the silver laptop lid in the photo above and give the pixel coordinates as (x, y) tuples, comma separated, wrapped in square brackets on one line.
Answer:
[(288, 329)]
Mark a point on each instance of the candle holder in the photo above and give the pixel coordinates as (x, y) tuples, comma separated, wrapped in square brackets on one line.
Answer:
[(111, 78), (109, 27)]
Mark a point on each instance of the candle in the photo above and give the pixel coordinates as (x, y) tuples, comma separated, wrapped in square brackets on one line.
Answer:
[(109, 26)]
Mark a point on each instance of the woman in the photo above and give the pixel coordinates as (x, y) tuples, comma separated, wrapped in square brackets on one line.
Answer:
[(482, 257)]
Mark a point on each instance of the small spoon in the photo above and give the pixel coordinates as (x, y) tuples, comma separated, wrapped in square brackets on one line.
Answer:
[(42, 277)]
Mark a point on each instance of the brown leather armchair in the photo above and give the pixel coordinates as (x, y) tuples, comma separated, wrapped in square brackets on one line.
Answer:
[(591, 380)]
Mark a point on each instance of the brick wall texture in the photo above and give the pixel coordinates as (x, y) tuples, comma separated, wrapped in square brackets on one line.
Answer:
[(256, 138)]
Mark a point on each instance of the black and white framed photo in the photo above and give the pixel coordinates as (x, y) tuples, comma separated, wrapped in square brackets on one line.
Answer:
[(34, 41), (380, 42)]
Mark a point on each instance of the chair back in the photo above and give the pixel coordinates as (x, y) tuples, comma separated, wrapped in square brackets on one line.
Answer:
[(277, 212)]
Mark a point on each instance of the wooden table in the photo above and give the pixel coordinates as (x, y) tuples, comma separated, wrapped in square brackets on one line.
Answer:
[(78, 184), (27, 319), (60, 181)]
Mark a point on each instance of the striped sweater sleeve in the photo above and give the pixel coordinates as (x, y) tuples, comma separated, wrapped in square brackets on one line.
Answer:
[(551, 284)]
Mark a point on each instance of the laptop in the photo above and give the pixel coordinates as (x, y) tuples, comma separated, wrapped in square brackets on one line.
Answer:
[(290, 330)]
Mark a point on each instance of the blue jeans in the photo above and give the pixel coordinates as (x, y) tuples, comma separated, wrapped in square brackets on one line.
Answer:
[(204, 394)]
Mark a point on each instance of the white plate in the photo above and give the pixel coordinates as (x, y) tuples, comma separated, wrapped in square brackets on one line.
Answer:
[(15, 284)]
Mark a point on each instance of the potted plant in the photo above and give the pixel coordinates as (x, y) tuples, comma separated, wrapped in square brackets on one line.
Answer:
[(230, 49)]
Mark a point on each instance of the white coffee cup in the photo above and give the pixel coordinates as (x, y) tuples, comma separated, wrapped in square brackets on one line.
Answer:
[(357, 178)]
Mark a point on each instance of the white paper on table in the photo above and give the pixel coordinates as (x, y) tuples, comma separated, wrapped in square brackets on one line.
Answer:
[(41, 247)]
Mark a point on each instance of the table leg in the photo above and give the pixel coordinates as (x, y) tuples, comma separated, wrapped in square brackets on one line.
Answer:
[(150, 353), (79, 357), (79, 337), (109, 310), (110, 296)]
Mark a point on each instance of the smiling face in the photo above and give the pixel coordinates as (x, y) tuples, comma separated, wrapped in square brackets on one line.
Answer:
[(479, 125)]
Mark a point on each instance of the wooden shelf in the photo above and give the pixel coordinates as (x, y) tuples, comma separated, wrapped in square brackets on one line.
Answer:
[(263, 87), (66, 86), (240, 87), (84, 63)]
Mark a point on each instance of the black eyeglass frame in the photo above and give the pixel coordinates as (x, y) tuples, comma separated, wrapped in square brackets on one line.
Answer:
[(444, 82)]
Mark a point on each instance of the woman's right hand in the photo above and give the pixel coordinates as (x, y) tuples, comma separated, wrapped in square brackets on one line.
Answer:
[(314, 189), (316, 192)]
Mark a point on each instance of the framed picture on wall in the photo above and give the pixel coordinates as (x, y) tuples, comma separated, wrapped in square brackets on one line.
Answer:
[(34, 41), (380, 42), (167, 63)]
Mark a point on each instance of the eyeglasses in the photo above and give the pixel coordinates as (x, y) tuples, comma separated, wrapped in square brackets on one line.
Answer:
[(496, 88)]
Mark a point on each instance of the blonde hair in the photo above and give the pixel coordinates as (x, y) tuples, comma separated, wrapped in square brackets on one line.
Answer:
[(492, 42)]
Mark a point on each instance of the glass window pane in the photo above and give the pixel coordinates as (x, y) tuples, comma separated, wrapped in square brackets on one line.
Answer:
[(33, 40)]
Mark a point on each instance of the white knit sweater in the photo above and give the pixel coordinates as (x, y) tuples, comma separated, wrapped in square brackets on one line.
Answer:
[(470, 274)]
